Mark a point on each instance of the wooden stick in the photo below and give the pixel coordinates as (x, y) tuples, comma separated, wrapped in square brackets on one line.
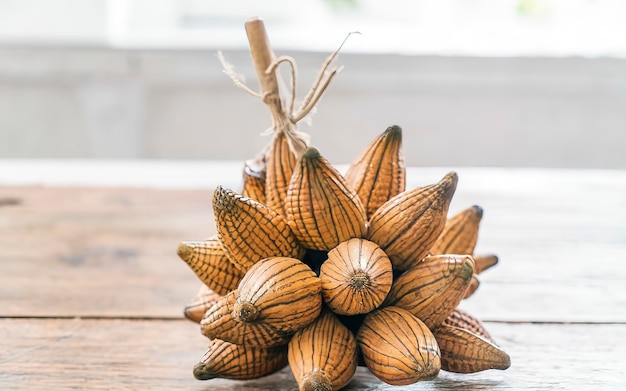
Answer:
[(263, 56)]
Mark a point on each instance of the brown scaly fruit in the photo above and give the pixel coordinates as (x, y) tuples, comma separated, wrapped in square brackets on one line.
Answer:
[(229, 361), (209, 262), (356, 277), (280, 292), (484, 262), (379, 173), (396, 226), (280, 165), (321, 208), (434, 288), (463, 320), (202, 301), (407, 225), (465, 352), (253, 182), (323, 355), (460, 234), (250, 231), (397, 347), (219, 322)]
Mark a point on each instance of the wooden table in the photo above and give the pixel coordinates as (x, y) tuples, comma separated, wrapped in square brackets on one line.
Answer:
[(91, 290)]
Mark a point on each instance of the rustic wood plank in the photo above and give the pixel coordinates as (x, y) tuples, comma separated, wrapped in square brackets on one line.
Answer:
[(98, 252), (59, 354)]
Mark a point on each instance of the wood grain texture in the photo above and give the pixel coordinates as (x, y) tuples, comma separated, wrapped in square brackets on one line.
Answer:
[(62, 354), (98, 252)]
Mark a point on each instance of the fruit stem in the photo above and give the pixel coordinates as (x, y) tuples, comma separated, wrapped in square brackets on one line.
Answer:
[(264, 60), (263, 56)]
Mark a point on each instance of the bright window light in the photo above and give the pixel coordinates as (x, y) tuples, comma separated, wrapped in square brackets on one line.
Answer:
[(433, 27)]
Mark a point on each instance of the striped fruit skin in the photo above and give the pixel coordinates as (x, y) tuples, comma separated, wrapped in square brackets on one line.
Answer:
[(323, 355), (397, 347), (202, 301), (407, 225), (463, 320), (209, 262), (460, 234), (280, 292), (280, 165), (321, 208), (219, 322), (379, 172), (465, 352), (434, 288), (253, 184), (230, 361), (356, 277), (250, 231)]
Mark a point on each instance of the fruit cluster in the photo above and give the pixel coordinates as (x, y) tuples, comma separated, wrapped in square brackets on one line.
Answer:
[(324, 271)]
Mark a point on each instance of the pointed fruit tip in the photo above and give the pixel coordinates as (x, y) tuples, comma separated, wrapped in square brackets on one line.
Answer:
[(311, 153), (485, 262), (393, 132), (506, 362), (222, 198), (221, 189), (451, 177), (201, 373), (448, 184), (478, 211), (183, 251)]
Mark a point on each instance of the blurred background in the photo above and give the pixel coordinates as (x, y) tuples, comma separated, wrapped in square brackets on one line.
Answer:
[(521, 83)]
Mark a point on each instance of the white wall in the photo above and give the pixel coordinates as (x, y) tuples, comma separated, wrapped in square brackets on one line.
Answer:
[(53, 21), (455, 111)]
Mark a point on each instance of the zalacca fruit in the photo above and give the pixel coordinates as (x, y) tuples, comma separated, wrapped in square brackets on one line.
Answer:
[(460, 233), (356, 277), (202, 301), (323, 355), (465, 352), (379, 173), (229, 361), (434, 288), (254, 181), (321, 208), (219, 322), (407, 225), (280, 162), (397, 347), (463, 320), (209, 262), (280, 292), (295, 206), (250, 231), (484, 262)]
